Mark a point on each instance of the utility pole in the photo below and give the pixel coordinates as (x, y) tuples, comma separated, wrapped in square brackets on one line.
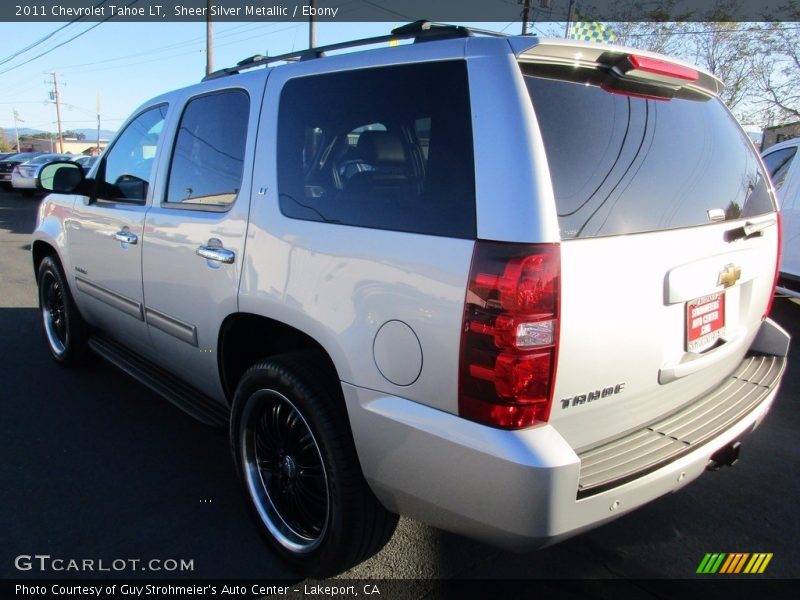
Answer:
[(312, 25), (570, 18), (57, 98), (209, 40), (16, 128), (98, 125), (526, 16)]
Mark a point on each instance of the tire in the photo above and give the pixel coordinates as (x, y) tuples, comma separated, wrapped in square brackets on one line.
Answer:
[(294, 453), (64, 328)]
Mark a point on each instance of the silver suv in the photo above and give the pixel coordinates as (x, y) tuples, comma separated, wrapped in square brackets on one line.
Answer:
[(507, 286)]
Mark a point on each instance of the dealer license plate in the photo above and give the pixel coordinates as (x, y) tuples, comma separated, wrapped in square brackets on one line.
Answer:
[(705, 321)]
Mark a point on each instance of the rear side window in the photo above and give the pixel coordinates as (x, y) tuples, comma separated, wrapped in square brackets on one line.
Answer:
[(208, 159), (387, 148), (622, 164)]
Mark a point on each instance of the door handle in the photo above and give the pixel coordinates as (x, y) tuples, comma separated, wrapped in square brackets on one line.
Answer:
[(217, 254), (126, 237)]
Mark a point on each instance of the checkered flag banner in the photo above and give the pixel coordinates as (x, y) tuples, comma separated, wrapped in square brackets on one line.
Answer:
[(591, 31)]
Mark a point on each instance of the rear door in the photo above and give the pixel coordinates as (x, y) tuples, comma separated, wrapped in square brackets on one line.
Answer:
[(669, 237), (192, 256)]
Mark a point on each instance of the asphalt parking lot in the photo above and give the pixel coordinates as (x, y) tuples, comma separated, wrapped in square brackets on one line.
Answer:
[(94, 465)]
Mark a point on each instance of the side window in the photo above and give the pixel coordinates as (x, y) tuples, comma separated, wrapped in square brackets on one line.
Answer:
[(778, 164), (208, 157), (126, 170), (396, 155)]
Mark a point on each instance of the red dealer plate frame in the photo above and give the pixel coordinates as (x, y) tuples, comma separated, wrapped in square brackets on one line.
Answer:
[(705, 321)]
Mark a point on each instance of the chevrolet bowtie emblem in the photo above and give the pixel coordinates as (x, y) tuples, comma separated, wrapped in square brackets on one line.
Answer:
[(729, 275)]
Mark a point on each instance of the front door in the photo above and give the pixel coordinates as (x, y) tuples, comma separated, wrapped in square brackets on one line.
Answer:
[(106, 231)]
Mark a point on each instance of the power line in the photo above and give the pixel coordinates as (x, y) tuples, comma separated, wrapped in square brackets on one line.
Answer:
[(227, 34), (47, 37), (188, 42), (161, 58), (49, 50), (388, 10), (731, 31)]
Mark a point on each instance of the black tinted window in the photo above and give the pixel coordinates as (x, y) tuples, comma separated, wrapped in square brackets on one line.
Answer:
[(389, 148), (128, 164), (623, 164), (208, 158), (778, 164)]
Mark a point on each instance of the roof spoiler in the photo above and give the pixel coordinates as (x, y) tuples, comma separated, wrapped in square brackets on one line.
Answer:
[(624, 64)]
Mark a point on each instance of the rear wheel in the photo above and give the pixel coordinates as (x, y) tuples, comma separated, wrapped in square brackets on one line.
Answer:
[(294, 452), (64, 328)]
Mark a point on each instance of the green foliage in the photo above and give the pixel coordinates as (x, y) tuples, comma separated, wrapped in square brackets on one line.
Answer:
[(5, 143)]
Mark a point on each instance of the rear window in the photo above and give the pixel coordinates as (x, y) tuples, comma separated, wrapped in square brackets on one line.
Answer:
[(622, 164)]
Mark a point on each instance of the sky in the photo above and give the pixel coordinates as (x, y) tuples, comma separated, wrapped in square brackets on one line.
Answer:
[(126, 64)]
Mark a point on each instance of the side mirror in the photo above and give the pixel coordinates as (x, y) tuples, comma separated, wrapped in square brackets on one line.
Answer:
[(62, 177)]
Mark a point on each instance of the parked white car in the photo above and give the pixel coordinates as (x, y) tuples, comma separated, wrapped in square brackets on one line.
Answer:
[(23, 176), (783, 165)]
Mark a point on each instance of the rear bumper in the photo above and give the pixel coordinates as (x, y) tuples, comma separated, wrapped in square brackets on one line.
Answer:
[(522, 489)]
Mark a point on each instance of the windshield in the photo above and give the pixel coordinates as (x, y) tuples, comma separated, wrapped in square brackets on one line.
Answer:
[(624, 164)]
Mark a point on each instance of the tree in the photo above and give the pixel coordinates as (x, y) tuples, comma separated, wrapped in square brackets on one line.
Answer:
[(5, 144), (757, 62), (664, 38), (731, 52), (777, 77)]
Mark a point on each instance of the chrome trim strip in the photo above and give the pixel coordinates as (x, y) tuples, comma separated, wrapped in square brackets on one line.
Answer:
[(113, 299), (185, 332)]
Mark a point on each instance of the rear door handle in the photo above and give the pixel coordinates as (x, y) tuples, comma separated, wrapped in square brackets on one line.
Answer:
[(126, 237), (217, 254)]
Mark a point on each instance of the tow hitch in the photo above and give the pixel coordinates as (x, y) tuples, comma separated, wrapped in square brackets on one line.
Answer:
[(727, 455)]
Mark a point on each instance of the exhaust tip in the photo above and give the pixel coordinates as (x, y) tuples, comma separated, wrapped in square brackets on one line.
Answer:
[(725, 456)]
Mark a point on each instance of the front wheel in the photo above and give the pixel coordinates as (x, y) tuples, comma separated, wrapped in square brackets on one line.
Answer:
[(64, 328), (294, 452)]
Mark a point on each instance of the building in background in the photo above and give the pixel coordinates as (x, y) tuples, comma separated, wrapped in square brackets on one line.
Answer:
[(780, 133), (71, 145)]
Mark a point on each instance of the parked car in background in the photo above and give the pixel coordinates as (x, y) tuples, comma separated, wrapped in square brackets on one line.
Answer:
[(23, 175), (784, 168), (86, 162), (8, 163)]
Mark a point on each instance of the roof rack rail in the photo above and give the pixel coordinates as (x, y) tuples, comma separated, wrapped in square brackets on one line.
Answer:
[(419, 31)]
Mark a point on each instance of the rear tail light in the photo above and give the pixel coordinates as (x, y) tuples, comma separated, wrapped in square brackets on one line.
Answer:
[(777, 265), (509, 340)]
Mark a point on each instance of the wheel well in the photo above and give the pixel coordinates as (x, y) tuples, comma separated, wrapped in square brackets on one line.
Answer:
[(39, 251), (245, 339)]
